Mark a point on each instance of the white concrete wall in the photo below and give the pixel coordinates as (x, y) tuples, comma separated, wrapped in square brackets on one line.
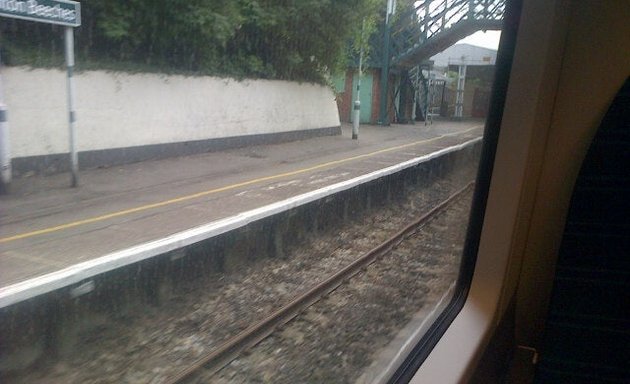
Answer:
[(116, 110)]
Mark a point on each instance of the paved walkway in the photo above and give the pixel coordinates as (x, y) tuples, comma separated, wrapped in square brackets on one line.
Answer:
[(47, 226)]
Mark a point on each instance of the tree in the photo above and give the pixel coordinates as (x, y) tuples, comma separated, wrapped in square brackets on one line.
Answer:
[(280, 39)]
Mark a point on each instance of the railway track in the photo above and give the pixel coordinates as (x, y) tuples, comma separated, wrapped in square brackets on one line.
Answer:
[(236, 345)]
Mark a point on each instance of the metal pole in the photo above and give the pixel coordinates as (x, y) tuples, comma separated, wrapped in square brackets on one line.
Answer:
[(383, 119), (443, 112), (5, 148), (461, 81), (357, 103), (74, 159), (429, 117), (427, 9), (443, 26)]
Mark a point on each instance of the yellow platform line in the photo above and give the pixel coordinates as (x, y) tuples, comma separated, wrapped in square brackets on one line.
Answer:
[(216, 190)]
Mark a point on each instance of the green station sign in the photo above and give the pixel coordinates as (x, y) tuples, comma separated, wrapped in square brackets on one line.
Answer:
[(60, 12)]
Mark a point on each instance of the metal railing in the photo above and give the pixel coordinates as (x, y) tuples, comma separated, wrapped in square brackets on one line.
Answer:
[(428, 18)]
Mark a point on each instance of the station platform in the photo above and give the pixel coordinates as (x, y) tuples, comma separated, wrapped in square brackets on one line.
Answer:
[(47, 227)]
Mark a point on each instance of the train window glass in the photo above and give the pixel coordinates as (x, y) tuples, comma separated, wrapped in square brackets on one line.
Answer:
[(247, 191)]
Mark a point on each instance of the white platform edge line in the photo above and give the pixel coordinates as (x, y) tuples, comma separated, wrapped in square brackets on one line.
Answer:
[(76, 273)]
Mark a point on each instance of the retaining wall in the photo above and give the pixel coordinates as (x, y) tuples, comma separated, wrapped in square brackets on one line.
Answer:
[(124, 117)]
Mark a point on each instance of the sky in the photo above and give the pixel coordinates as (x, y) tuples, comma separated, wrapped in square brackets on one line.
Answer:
[(489, 39)]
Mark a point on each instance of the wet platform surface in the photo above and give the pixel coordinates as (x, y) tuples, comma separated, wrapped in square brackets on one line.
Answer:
[(47, 226)]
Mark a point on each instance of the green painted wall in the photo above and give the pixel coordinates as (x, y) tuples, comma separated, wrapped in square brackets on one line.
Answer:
[(339, 82), (366, 96)]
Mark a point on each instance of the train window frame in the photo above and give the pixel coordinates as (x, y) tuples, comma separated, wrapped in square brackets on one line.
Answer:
[(548, 123)]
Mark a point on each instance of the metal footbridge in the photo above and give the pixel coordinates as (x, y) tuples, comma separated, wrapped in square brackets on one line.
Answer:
[(426, 28)]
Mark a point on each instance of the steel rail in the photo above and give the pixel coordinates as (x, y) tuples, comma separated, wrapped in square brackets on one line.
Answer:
[(234, 346)]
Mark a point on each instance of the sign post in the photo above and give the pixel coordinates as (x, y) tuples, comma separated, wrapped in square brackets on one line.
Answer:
[(61, 12), (74, 158)]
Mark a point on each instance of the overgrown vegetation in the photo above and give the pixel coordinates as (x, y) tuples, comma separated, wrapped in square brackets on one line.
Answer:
[(277, 39)]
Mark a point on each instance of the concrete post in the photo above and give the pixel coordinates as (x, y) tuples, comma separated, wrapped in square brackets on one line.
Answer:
[(356, 118)]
